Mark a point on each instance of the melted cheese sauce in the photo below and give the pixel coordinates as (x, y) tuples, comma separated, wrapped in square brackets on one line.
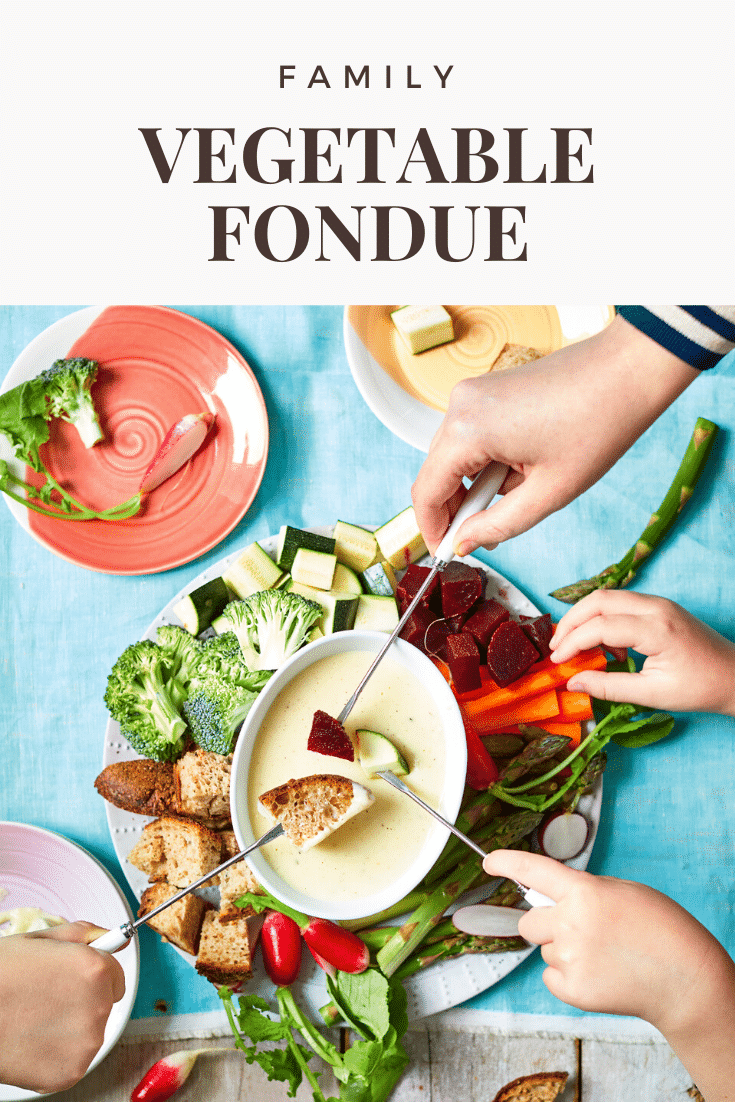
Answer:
[(372, 850), (24, 920)]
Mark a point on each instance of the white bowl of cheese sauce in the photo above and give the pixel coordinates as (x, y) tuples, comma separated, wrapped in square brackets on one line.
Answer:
[(380, 855)]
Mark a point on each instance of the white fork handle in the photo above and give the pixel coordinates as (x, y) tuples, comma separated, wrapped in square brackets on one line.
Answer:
[(480, 494), (112, 940)]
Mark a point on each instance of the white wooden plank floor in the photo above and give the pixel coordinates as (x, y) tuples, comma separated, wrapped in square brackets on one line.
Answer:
[(446, 1066)]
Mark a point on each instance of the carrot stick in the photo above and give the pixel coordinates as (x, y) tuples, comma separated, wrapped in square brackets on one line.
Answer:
[(574, 706), (572, 731), (555, 726), (534, 710), (488, 686), (540, 678)]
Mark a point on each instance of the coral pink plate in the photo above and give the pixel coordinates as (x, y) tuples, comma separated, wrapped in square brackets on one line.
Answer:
[(156, 365)]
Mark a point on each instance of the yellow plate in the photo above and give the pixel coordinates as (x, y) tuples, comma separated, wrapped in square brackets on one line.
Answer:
[(481, 332)]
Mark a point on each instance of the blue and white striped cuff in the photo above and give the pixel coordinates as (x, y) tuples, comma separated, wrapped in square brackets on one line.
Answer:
[(699, 335)]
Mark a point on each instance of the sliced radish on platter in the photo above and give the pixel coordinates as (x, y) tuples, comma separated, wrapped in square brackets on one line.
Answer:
[(563, 835), (486, 920), (178, 445)]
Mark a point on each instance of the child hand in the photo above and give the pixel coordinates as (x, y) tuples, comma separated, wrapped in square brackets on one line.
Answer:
[(55, 997), (688, 668), (617, 947)]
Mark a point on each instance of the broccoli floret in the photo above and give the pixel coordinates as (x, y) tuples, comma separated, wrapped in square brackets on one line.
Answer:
[(181, 655), (271, 626), (222, 657), (66, 385), (215, 711), (139, 697)]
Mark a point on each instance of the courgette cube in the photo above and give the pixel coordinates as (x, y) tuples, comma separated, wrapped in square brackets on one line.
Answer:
[(251, 572), (375, 752), (376, 613), (345, 580), (400, 540), (220, 624), (339, 608), (199, 608), (354, 546), (291, 539), (379, 579), (315, 568)]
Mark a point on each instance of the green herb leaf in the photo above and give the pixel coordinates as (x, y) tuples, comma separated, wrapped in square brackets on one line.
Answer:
[(367, 997), (265, 902), (645, 732)]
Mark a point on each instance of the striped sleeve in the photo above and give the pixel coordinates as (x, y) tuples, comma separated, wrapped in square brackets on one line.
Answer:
[(699, 335)]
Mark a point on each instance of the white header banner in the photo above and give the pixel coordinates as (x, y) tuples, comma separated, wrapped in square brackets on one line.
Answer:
[(317, 152)]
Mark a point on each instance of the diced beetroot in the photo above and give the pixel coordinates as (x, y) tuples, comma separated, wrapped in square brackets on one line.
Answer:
[(414, 630), (461, 586), (435, 638), (483, 622), (327, 736), (437, 632), (410, 584), (510, 653), (463, 659), (456, 622), (539, 630)]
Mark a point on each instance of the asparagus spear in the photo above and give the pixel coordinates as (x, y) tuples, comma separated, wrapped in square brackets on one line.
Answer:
[(457, 947), (451, 943), (622, 573), (410, 935), (497, 834)]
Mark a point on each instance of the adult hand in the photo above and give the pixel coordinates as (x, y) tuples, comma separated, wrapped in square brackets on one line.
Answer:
[(55, 997), (559, 423), (618, 947), (688, 667)]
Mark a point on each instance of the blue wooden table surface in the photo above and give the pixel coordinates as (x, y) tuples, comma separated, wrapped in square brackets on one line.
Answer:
[(668, 812)]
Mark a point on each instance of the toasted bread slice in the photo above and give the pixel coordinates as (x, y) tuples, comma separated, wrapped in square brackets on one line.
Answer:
[(544, 1086), (202, 786), (144, 787), (233, 882), (513, 355), (224, 954), (177, 850), (190, 849), (148, 854), (310, 808), (181, 923)]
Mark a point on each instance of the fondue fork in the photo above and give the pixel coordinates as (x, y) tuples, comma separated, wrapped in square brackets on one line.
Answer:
[(480, 494), (116, 938), (532, 897)]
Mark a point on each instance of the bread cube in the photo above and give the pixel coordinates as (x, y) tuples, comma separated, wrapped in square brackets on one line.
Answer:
[(181, 923), (224, 950)]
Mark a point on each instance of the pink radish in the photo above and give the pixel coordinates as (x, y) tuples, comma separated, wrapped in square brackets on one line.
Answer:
[(335, 945), (280, 944), (166, 1076), (178, 445), (323, 964), (486, 920), (563, 835)]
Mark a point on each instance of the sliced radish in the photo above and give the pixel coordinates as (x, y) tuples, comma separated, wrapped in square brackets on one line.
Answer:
[(323, 964), (563, 835), (486, 920), (177, 446)]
